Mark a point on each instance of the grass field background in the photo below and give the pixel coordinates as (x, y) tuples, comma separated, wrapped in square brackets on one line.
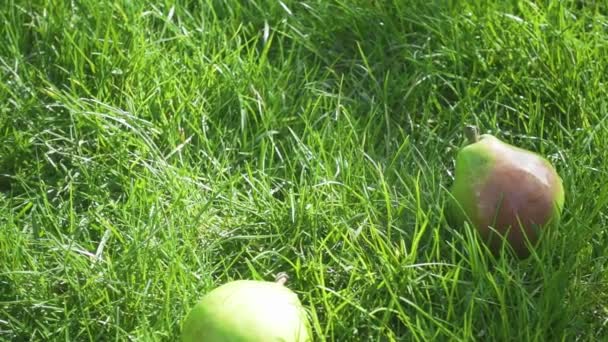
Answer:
[(151, 151)]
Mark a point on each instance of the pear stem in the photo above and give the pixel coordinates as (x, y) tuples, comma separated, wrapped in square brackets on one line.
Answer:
[(472, 133), (281, 278)]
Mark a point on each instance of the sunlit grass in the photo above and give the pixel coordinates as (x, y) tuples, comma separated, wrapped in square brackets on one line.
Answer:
[(152, 151)]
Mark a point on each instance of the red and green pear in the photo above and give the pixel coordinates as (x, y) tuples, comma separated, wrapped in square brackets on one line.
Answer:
[(505, 192)]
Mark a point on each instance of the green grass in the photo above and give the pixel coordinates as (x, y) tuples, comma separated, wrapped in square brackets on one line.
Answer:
[(152, 151)]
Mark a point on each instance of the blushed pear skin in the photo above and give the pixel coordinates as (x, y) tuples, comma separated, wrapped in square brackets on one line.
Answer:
[(503, 189)]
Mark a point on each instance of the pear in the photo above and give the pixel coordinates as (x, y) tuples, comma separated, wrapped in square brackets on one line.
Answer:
[(507, 193), (248, 311)]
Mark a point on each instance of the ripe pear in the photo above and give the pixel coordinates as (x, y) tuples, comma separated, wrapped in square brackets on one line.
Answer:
[(248, 311), (505, 192)]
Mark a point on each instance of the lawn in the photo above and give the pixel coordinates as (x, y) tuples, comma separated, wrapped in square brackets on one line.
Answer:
[(151, 151)]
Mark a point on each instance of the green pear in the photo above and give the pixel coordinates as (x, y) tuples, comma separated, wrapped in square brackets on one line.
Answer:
[(248, 311), (507, 193)]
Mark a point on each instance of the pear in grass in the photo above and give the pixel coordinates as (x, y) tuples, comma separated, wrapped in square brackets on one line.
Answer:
[(507, 193), (248, 311)]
